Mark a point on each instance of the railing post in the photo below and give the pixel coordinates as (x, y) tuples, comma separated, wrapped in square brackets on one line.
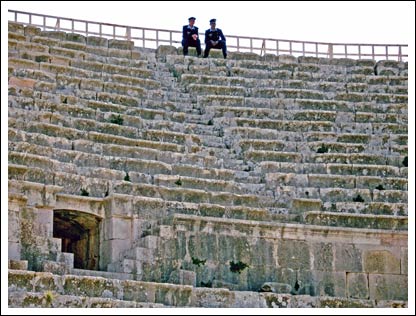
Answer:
[(128, 33), (290, 48), (303, 48), (144, 42), (316, 50), (359, 51), (277, 48), (263, 48), (400, 53), (372, 52), (58, 24), (330, 51)]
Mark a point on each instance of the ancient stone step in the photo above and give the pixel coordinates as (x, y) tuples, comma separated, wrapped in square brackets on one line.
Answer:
[(333, 168), (54, 300), (356, 220), (139, 253), (83, 291), (209, 185), (396, 208)]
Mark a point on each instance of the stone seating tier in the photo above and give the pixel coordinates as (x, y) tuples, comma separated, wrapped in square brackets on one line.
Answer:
[(296, 167)]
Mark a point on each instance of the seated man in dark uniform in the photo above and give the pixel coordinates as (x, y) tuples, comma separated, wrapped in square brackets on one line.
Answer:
[(214, 39), (190, 37)]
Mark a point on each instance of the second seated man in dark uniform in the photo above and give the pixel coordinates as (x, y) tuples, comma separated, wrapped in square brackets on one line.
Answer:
[(214, 39), (190, 37)]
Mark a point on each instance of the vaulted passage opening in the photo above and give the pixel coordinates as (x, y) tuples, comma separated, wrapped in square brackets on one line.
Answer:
[(80, 234)]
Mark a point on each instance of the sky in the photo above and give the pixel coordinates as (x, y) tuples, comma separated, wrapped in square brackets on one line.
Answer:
[(378, 22)]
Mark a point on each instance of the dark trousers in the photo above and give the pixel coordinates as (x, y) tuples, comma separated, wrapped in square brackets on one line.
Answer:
[(221, 45), (196, 44)]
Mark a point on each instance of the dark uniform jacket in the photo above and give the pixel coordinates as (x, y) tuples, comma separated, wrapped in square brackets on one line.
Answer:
[(213, 35), (187, 33)]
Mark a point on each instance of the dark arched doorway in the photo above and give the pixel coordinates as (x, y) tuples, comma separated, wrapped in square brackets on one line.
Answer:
[(80, 234)]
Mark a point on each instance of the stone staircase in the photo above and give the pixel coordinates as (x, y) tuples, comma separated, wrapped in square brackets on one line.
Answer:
[(30, 289), (303, 141)]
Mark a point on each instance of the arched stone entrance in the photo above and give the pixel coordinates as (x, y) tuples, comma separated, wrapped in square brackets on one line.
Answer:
[(80, 234)]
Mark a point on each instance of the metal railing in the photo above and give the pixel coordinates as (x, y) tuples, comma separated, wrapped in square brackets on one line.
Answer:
[(152, 38)]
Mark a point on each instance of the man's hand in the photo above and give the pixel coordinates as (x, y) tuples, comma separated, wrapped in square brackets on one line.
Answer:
[(194, 36)]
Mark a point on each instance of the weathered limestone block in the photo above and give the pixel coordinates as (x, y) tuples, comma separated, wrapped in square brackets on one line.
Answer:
[(343, 195), (381, 261), (333, 181), (357, 285), (119, 53), (306, 205), (56, 69), (61, 36), (91, 84), (117, 99), (151, 242), (32, 30), (97, 41), (66, 258), (18, 264), (141, 73), (96, 53), (393, 196), (367, 182), (117, 228), (293, 254), (348, 258), (355, 220), (264, 155), (198, 89), (388, 287), (31, 281), (91, 286), (88, 65), (183, 277), (140, 253), (22, 82), (120, 44), (211, 298), (14, 38), (329, 283), (16, 27), (56, 268), (74, 37), (339, 302), (173, 295), (323, 256), (404, 260), (276, 287)]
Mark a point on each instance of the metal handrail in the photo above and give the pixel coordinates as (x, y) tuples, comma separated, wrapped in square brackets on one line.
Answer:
[(152, 38)]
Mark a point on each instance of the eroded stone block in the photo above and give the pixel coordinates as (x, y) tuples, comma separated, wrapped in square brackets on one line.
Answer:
[(381, 261), (357, 285)]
